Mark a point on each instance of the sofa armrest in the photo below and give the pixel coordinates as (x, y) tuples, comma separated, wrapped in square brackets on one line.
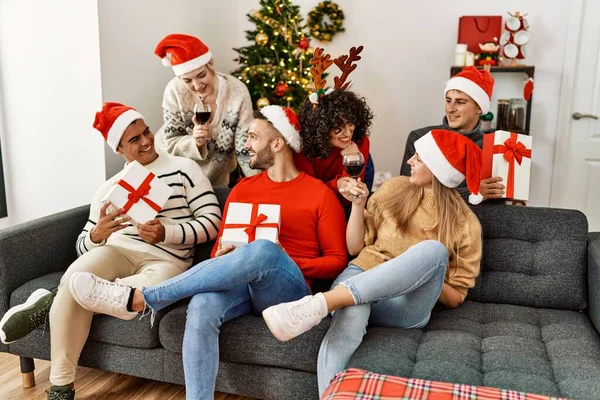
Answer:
[(37, 248), (593, 256)]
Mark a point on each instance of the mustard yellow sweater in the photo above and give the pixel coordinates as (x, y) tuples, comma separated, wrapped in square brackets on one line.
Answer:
[(384, 241)]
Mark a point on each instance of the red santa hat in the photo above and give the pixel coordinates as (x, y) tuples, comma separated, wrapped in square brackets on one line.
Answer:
[(452, 157), (285, 120), (183, 52), (478, 84), (113, 120)]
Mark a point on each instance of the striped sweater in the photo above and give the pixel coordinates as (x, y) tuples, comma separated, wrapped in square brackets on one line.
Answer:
[(191, 215)]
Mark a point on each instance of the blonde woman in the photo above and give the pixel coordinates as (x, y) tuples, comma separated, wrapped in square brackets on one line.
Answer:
[(217, 143), (417, 243)]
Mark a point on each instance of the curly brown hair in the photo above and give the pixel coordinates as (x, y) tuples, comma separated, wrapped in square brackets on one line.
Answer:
[(333, 111)]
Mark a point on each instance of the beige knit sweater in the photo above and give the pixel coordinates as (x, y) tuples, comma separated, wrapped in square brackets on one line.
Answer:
[(383, 240), (217, 158)]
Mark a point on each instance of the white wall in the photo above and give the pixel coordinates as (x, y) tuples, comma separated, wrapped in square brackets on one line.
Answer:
[(49, 92)]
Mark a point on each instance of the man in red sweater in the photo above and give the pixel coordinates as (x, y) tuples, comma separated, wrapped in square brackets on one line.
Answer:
[(255, 276)]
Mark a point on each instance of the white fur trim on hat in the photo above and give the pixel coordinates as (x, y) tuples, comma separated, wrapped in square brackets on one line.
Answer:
[(472, 89), (119, 126), (437, 163), (475, 199), (188, 66), (277, 117)]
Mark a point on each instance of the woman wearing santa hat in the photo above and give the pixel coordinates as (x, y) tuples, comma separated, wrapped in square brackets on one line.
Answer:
[(217, 144), (417, 243)]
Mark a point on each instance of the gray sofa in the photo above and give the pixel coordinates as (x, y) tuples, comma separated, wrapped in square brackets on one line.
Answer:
[(531, 323)]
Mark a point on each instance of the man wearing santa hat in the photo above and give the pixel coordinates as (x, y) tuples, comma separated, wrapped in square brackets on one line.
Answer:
[(217, 144), (468, 96), (250, 278), (110, 247)]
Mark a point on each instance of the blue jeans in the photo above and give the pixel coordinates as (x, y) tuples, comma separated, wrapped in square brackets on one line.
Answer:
[(399, 293), (248, 280)]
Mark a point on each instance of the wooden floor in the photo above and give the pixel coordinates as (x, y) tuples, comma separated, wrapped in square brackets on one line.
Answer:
[(90, 384)]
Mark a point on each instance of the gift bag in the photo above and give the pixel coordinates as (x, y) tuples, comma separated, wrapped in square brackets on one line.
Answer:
[(473, 30)]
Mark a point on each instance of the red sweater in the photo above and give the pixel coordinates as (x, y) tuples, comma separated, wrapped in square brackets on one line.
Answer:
[(313, 225), (330, 169)]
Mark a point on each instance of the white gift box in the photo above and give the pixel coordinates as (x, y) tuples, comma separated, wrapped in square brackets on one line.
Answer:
[(139, 192), (508, 155), (246, 222)]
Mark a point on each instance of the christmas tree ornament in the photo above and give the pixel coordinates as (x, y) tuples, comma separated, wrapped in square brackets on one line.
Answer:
[(304, 43), (262, 102), (262, 39), (281, 88)]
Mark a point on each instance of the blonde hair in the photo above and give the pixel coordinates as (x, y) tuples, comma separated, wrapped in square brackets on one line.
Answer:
[(451, 211)]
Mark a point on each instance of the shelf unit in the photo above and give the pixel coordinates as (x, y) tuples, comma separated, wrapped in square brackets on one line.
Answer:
[(524, 69)]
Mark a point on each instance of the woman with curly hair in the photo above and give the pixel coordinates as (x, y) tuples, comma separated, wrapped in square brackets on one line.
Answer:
[(339, 124), (416, 243)]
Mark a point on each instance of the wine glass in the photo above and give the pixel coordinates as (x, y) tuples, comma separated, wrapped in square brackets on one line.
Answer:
[(202, 112), (354, 163)]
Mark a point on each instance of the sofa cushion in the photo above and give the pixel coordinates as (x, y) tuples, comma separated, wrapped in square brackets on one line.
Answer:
[(533, 257), (248, 340), (550, 352), (135, 333)]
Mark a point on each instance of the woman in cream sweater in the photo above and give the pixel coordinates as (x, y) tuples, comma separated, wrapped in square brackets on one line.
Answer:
[(417, 243), (218, 144)]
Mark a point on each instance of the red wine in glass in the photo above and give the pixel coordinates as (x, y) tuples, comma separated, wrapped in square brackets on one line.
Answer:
[(202, 113), (203, 116), (355, 168), (354, 163)]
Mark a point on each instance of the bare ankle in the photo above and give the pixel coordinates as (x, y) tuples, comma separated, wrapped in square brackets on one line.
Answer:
[(138, 301), (338, 297)]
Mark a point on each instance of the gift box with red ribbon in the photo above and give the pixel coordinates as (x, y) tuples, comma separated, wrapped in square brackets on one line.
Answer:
[(508, 155), (246, 222), (139, 192)]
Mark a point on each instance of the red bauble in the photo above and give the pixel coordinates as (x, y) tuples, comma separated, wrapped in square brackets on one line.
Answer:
[(281, 88), (304, 43)]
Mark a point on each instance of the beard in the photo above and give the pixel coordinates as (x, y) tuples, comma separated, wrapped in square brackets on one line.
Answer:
[(263, 159)]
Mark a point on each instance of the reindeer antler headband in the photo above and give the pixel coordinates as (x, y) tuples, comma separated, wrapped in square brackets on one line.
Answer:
[(321, 62)]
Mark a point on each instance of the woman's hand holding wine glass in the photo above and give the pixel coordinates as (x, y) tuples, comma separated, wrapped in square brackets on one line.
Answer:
[(201, 116), (354, 191)]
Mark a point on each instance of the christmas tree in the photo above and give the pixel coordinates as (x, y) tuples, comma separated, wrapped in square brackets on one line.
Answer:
[(276, 67)]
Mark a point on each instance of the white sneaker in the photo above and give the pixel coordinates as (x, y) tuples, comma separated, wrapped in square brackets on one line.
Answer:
[(288, 320), (101, 296)]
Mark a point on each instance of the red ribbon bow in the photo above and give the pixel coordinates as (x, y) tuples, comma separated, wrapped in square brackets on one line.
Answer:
[(135, 195), (512, 150), (256, 221)]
